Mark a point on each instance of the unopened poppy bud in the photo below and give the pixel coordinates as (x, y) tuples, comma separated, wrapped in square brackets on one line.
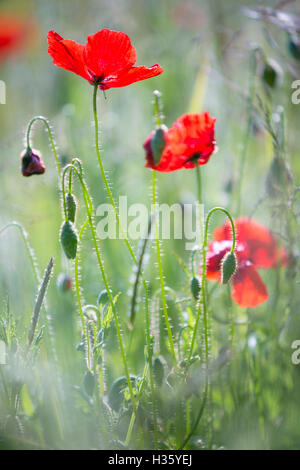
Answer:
[(31, 163), (71, 206), (103, 298), (294, 47), (228, 267), (158, 143), (195, 287), (272, 73), (89, 382), (64, 282), (68, 238)]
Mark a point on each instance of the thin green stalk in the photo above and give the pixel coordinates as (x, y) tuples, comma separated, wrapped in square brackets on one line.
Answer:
[(203, 284), (89, 210), (161, 275), (199, 185), (248, 129), (106, 184), (51, 138)]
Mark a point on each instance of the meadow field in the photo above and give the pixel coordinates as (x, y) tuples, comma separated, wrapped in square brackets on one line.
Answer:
[(149, 224)]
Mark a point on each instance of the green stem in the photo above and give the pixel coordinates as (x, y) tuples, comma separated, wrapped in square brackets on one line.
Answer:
[(199, 185), (248, 129), (109, 193), (161, 276), (89, 210), (51, 138), (203, 283)]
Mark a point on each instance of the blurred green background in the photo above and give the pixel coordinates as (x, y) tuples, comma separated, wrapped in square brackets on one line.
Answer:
[(204, 48)]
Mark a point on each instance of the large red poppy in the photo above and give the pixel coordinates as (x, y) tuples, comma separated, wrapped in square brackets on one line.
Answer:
[(189, 142), (107, 60), (255, 248)]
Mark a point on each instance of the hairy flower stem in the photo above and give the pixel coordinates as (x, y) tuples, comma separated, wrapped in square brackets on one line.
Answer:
[(203, 300), (51, 138), (89, 211), (106, 184), (160, 270)]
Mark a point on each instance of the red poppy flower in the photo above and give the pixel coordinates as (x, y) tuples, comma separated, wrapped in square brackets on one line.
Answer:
[(189, 142), (107, 60), (255, 248), (14, 33)]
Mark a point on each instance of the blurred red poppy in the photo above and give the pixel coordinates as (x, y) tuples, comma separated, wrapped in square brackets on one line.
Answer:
[(255, 248), (107, 60), (189, 142), (14, 33)]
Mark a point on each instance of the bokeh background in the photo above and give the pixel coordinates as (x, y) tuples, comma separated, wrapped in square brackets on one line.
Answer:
[(204, 48)]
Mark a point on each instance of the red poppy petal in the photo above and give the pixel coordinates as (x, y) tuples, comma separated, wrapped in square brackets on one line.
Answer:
[(215, 254), (108, 53), (67, 54), (248, 289), (135, 74)]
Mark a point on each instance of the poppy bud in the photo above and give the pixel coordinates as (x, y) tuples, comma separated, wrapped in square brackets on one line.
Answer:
[(272, 73), (294, 47), (103, 298), (228, 267), (68, 238), (89, 382), (63, 282), (31, 163), (71, 206), (158, 143), (195, 287), (158, 370)]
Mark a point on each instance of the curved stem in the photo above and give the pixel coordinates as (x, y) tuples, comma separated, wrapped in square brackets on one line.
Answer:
[(203, 282), (161, 275), (89, 210), (51, 138)]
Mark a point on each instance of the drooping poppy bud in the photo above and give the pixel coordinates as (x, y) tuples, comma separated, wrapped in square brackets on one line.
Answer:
[(272, 73), (71, 206), (294, 46), (64, 282), (31, 163), (228, 267), (68, 238), (195, 287), (103, 298)]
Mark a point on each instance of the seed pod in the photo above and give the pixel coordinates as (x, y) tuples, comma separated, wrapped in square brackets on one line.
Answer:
[(158, 370), (31, 162), (228, 267), (68, 238), (89, 382), (158, 143), (272, 73), (294, 47), (103, 298), (195, 287), (71, 206)]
